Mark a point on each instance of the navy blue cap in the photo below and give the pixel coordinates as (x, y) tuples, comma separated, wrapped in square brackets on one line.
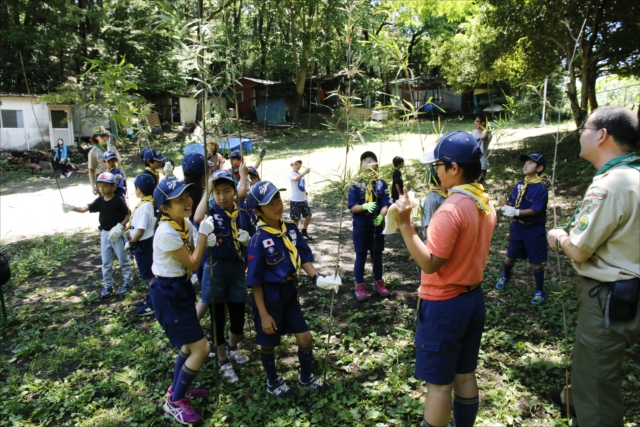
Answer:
[(457, 146), (194, 163), (538, 158), (222, 174), (236, 154), (253, 171), (108, 155), (145, 182), (153, 154), (168, 189), (107, 177), (261, 194), (368, 154)]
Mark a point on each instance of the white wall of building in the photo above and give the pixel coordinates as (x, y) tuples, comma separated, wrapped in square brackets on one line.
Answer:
[(34, 131)]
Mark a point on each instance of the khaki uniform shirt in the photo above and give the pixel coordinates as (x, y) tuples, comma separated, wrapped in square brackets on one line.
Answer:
[(608, 226), (96, 161)]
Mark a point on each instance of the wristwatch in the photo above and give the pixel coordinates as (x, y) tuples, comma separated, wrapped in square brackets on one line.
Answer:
[(559, 243)]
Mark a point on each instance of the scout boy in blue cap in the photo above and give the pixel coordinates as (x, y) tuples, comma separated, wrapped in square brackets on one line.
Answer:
[(275, 256), (153, 162), (111, 159)]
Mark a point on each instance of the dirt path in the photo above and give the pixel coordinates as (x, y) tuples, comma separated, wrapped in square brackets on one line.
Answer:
[(33, 209)]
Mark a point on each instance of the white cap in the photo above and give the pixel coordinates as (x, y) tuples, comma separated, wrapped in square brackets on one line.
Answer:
[(296, 159)]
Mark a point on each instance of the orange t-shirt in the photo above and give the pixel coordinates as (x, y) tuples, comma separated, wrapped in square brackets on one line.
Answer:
[(461, 234)]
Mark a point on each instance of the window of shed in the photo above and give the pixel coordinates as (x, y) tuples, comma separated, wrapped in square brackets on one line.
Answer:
[(59, 119), (11, 119)]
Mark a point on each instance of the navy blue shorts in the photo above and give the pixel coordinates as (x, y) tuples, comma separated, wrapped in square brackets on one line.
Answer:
[(173, 299), (281, 301), (228, 281), (528, 242), (448, 337), (143, 252), (299, 210)]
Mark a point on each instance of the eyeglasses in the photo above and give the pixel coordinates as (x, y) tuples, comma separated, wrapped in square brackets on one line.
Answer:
[(435, 165), (581, 129)]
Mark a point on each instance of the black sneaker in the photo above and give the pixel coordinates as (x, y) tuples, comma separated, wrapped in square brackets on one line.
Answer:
[(124, 289), (556, 398), (280, 389), (140, 303), (314, 384), (106, 291), (145, 310), (306, 235)]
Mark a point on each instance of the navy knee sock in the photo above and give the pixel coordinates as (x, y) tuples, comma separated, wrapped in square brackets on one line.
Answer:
[(182, 357), (358, 267), (186, 377), (538, 275), (269, 363), (305, 356), (465, 410), (506, 271)]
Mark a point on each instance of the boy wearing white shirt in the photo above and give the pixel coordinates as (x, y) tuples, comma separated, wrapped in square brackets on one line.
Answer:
[(298, 204)]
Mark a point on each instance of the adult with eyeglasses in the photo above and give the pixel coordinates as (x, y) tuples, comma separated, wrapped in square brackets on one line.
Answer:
[(604, 245), (483, 136)]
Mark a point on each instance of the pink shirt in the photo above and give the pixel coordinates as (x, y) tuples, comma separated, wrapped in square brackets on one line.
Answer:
[(460, 233)]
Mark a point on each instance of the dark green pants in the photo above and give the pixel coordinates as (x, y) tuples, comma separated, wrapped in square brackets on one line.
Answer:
[(596, 373)]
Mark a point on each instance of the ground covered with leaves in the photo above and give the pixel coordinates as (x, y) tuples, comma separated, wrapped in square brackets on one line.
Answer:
[(70, 358)]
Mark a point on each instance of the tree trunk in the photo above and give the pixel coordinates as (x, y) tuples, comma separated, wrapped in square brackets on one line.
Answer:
[(297, 108)]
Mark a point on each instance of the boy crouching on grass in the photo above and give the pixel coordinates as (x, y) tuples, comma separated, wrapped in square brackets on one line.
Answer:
[(172, 295), (114, 215), (276, 253)]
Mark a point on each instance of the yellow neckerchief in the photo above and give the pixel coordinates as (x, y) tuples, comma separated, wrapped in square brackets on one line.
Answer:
[(145, 199), (234, 225), (438, 191), (476, 192), (184, 234), (282, 233), (368, 194), (155, 174), (524, 188)]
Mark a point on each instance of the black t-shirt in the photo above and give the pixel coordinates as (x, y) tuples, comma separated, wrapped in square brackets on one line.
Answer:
[(397, 179), (111, 212)]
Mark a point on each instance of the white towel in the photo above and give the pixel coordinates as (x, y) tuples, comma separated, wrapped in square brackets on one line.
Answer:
[(329, 282), (390, 222)]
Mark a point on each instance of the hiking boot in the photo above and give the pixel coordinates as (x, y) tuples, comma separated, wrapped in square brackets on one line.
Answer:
[(145, 310), (314, 384), (228, 373), (124, 289), (280, 389), (106, 291), (235, 355), (538, 298), (502, 282), (306, 235), (181, 411), (380, 289), (360, 292), (192, 393)]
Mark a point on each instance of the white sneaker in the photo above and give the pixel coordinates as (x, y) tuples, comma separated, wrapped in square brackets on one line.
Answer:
[(237, 356), (228, 373), (69, 174)]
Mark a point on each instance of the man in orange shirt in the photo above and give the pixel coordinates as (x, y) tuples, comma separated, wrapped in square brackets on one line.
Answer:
[(451, 314)]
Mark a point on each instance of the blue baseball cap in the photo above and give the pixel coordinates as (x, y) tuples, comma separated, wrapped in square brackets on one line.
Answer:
[(153, 154), (194, 163), (222, 174), (253, 171), (457, 146), (145, 182), (108, 155), (107, 177), (261, 194), (236, 154), (168, 189), (538, 158)]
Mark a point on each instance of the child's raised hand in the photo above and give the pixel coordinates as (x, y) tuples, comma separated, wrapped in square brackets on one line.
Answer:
[(243, 170), (206, 227), (268, 325), (403, 204)]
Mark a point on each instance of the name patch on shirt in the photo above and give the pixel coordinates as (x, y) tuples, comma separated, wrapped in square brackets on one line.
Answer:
[(596, 193), (267, 242)]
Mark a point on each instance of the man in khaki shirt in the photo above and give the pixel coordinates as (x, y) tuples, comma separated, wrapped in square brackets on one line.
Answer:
[(604, 245), (95, 163)]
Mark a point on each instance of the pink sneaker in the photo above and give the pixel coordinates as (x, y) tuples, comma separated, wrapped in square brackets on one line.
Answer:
[(360, 292), (192, 393), (380, 289), (181, 411)]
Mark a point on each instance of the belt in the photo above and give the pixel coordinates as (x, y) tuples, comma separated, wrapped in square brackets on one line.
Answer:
[(471, 288), (525, 222)]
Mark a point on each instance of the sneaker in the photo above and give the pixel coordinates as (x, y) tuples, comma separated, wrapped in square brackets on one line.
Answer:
[(501, 283), (360, 292), (555, 396), (228, 373), (181, 411), (106, 291), (380, 288), (69, 174), (192, 393), (145, 310), (306, 235), (63, 176), (538, 298), (124, 289), (140, 303), (235, 355), (314, 384), (280, 389)]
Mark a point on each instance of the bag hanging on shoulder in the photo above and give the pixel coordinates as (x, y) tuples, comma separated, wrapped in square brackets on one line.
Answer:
[(623, 304)]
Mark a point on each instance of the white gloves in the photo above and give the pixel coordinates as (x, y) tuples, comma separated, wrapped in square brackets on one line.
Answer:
[(243, 237), (167, 169), (211, 240), (66, 207), (329, 283), (206, 226), (510, 211), (116, 232)]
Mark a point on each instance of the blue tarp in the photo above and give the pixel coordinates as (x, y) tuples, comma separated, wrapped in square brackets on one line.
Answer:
[(276, 111), (193, 148), (233, 143)]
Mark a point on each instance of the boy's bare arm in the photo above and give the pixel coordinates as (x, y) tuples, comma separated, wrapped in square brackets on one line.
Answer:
[(201, 210), (137, 235), (301, 175), (309, 268), (81, 209), (268, 324)]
